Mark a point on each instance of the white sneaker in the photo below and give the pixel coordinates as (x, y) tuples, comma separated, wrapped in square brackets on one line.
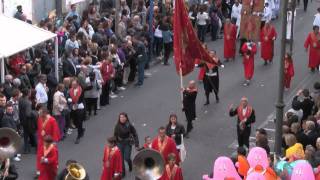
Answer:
[(18, 155), (113, 96), (122, 88), (69, 131), (16, 159)]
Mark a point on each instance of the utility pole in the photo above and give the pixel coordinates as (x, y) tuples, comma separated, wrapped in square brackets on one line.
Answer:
[(59, 9), (280, 105)]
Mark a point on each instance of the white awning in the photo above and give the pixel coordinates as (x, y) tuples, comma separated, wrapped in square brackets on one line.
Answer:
[(16, 36)]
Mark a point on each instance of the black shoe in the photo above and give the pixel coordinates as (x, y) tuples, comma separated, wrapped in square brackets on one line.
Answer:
[(130, 166), (138, 84), (265, 63), (123, 174), (77, 141), (217, 100), (187, 136), (207, 103), (95, 113)]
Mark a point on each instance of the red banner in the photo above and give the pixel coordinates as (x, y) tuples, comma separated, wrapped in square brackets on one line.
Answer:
[(186, 45)]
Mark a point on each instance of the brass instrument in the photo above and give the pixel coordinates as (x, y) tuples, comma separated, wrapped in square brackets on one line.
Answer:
[(148, 164), (75, 172), (10, 142)]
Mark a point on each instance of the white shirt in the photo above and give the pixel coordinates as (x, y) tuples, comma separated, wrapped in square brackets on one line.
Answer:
[(202, 18), (316, 21), (236, 13), (267, 14), (41, 95)]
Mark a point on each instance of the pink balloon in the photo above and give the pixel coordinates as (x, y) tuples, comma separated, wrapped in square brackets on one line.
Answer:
[(255, 176), (224, 167), (258, 156), (302, 171)]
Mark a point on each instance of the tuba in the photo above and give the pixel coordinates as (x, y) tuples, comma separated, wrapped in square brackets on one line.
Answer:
[(75, 172), (10, 142), (148, 164)]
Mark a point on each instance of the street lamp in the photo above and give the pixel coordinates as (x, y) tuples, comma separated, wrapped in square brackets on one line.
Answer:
[(292, 11), (280, 105)]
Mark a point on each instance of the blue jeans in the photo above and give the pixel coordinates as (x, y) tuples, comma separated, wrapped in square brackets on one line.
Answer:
[(141, 64), (202, 29), (125, 149)]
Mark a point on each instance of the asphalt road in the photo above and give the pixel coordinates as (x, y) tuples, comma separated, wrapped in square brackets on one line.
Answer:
[(214, 133)]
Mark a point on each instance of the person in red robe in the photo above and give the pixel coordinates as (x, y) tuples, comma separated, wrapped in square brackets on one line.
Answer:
[(172, 171), (202, 70), (288, 71), (47, 125), (165, 145), (112, 161), (230, 36), (313, 43), (268, 35), (49, 159), (249, 49)]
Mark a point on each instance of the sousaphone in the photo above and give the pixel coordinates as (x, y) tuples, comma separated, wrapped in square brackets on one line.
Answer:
[(148, 164), (75, 172), (10, 142)]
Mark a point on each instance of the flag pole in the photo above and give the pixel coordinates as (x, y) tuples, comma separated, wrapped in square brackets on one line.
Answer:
[(181, 83)]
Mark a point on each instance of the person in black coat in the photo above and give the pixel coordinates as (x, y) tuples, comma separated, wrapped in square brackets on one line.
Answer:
[(305, 102), (126, 136), (175, 129), (189, 104), (25, 110), (211, 80), (246, 117), (7, 119), (69, 67)]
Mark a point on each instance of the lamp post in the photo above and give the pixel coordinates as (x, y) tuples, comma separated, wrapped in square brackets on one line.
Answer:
[(280, 105), (293, 9)]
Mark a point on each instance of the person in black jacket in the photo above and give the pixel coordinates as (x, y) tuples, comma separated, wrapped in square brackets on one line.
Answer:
[(126, 136), (175, 129), (305, 102), (189, 104), (246, 117), (7, 119), (3, 102), (77, 111), (25, 110)]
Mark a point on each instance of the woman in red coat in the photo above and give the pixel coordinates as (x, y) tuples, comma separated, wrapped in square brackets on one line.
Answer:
[(268, 35), (288, 71), (230, 36), (112, 161), (49, 159), (172, 171), (313, 43)]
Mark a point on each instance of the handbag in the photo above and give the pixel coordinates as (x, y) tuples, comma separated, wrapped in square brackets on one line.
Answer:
[(183, 151), (158, 33)]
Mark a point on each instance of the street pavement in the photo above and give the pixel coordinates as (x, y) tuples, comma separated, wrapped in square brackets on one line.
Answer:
[(214, 131)]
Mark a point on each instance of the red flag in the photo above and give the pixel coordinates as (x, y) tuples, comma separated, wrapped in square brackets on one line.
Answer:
[(186, 44)]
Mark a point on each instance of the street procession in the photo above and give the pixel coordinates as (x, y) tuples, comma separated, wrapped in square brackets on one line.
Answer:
[(160, 90)]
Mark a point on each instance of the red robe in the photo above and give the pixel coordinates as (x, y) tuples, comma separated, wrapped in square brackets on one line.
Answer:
[(202, 70), (112, 163), (288, 73), (230, 36), (267, 36), (248, 60), (165, 148), (48, 171), (313, 43), (172, 173), (49, 128)]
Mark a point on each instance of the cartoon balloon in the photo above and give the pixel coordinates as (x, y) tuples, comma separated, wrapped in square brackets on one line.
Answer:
[(302, 171), (223, 168), (258, 156)]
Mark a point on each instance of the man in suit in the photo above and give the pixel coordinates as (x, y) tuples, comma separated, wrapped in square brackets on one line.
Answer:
[(69, 68)]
